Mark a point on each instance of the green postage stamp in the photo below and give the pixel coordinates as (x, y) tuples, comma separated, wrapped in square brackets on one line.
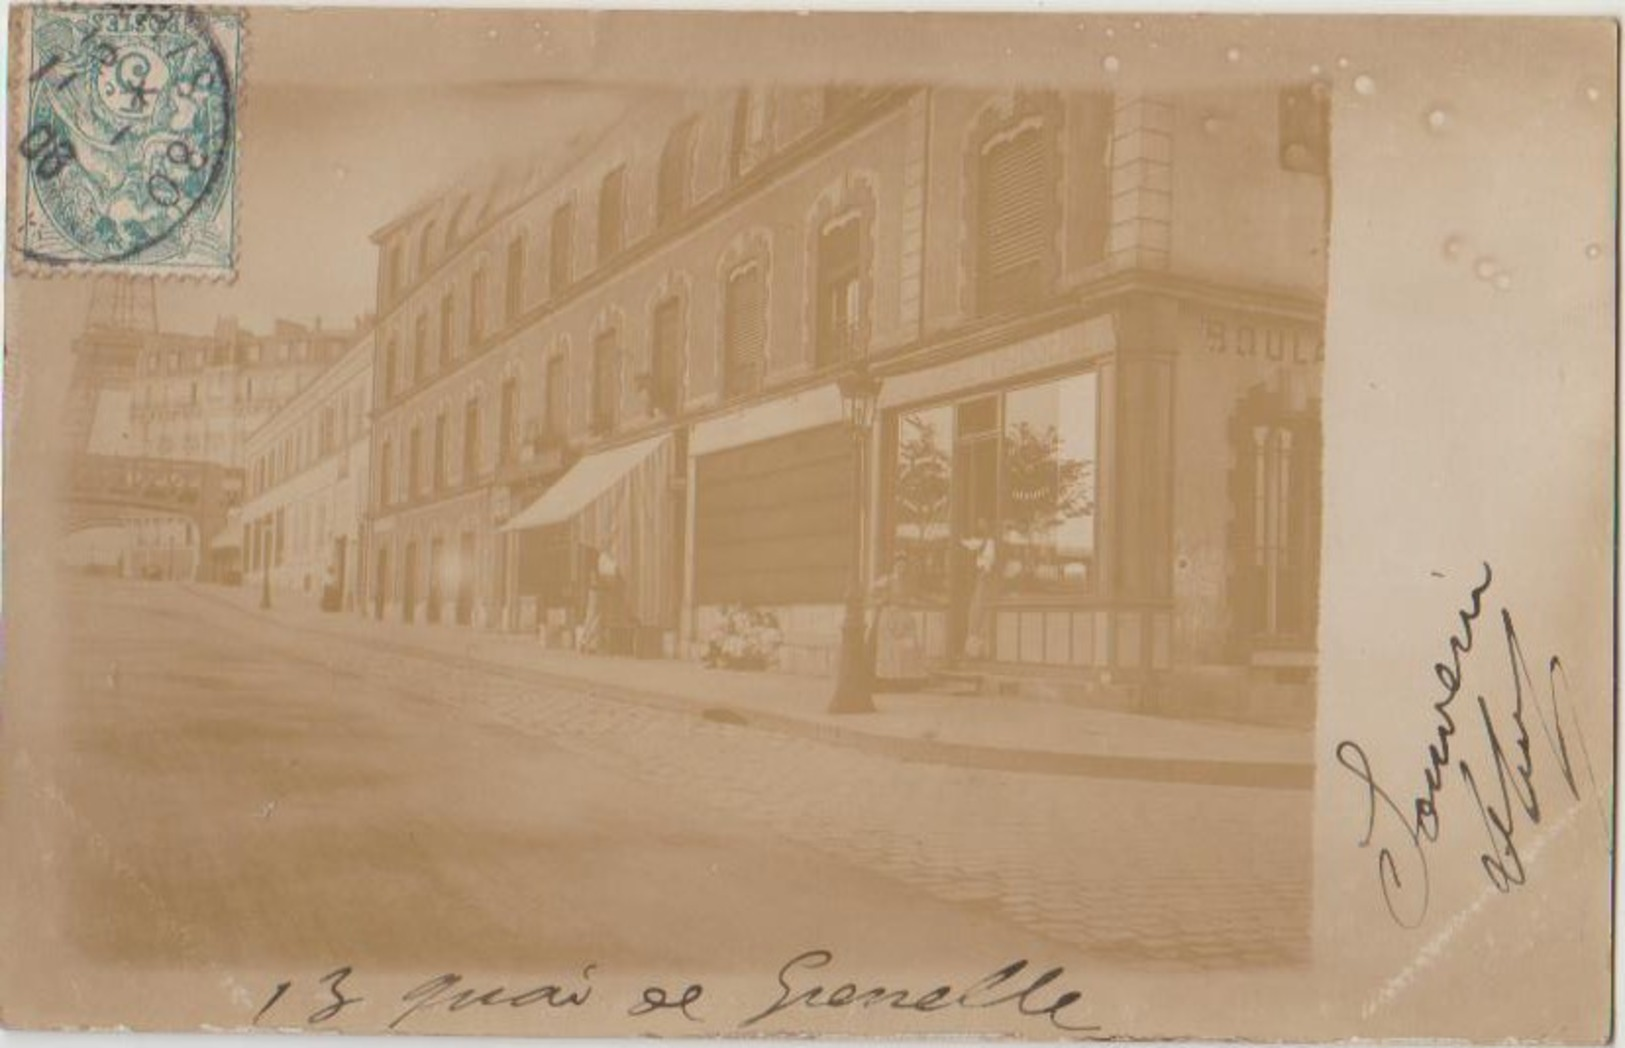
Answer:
[(124, 140)]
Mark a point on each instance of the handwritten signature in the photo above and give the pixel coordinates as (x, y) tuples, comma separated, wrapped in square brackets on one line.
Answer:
[(1403, 832)]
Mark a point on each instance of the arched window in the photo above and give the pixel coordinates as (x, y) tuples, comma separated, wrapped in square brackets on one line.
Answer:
[(672, 189), (744, 330), (1016, 217), (606, 388)]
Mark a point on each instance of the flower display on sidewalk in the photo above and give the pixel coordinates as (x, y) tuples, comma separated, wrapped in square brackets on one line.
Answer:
[(746, 638)]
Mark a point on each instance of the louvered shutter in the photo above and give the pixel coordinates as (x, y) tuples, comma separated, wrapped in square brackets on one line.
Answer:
[(1016, 224), (745, 332)]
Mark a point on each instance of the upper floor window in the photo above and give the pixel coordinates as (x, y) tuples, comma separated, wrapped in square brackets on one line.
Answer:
[(386, 474), (666, 355), (672, 185), (447, 306), (507, 421), (1016, 219), (420, 348), (744, 330), (555, 422), (414, 463), (426, 247), (514, 292), (441, 448), (839, 289), (471, 439), (611, 214), (476, 308), (750, 134), (561, 248), (391, 367), (606, 393), (395, 270)]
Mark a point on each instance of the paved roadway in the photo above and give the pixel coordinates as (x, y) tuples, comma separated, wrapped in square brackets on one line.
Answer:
[(229, 797)]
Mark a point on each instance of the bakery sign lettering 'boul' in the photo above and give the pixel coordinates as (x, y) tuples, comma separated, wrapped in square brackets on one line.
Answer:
[(1267, 342)]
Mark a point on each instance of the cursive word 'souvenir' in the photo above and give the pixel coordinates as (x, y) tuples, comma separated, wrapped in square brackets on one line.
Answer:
[(1402, 832)]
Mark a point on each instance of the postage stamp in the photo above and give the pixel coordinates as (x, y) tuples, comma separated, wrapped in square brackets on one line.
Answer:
[(124, 140)]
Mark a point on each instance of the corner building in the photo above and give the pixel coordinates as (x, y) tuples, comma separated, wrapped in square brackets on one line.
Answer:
[(1097, 319)]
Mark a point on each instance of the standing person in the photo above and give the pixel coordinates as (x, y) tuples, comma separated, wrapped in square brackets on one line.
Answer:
[(591, 638), (899, 658), (984, 549)]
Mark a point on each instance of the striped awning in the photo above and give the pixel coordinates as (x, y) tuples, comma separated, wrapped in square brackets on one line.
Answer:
[(585, 481)]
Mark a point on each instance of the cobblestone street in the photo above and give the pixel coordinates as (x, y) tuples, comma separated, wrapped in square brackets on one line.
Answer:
[(1164, 872), (235, 796)]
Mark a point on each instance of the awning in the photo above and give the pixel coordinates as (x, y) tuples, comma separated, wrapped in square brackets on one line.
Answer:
[(589, 478)]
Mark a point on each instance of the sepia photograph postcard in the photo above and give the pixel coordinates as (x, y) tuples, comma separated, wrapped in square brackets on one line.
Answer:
[(1053, 526)]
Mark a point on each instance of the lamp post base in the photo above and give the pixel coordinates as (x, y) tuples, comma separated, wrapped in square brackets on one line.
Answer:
[(854, 682)]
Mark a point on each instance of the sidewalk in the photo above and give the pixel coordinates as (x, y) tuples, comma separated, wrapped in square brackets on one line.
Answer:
[(975, 731)]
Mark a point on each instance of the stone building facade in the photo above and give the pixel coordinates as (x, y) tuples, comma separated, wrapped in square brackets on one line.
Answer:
[(306, 473), (1097, 319)]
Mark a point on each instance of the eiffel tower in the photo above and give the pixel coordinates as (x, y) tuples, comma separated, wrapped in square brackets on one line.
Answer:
[(123, 312)]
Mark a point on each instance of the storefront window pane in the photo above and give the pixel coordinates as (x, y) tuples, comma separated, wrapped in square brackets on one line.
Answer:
[(922, 500), (1047, 491)]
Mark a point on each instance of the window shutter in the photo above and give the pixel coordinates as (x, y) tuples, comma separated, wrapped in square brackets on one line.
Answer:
[(1016, 226), (746, 332)]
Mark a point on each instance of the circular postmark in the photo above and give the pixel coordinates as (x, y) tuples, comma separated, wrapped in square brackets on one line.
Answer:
[(129, 128)]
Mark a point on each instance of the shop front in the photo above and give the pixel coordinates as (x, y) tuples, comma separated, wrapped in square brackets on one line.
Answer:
[(597, 555), (995, 484)]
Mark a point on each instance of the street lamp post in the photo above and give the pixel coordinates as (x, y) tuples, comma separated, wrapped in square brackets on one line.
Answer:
[(854, 676)]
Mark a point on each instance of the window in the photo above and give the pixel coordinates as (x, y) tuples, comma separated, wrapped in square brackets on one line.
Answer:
[(414, 463), (560, 249), (396, 275), (1047, 486), (420, 348), (1002, 484), (446, 312), (476, 309), (606, 392), (750, 129), (1015, 220), (665, 356), (390, 365), (556, 423), (839, 290), (426, 247), (441, 432), (922, 510), (471, 440), (744, 331), (672, 188), (507, 421), (611, 207), (514, 292)]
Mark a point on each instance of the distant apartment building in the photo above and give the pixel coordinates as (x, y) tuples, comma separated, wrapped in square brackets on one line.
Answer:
[(1097, 318), (306, 475), (197, 397)]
